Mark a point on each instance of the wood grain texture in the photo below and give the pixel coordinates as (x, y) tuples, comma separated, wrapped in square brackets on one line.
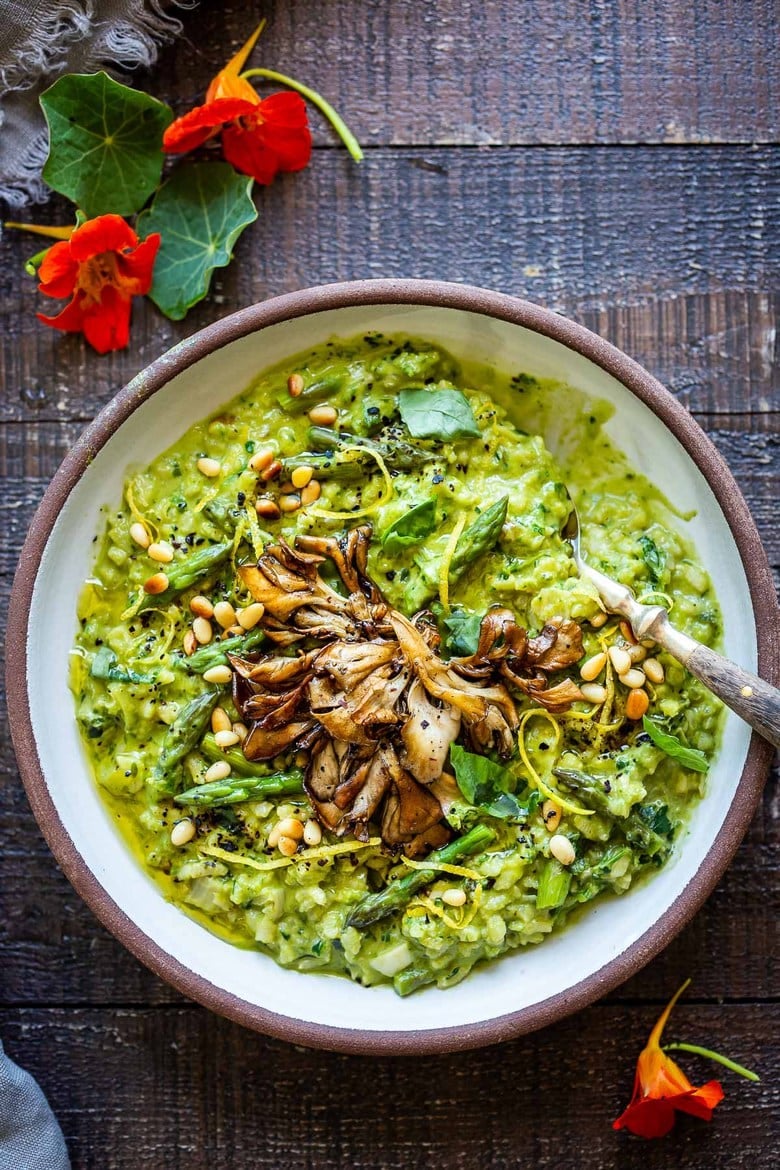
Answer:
[(207, 1094), (665, 251), (616, 161), (471, 73)]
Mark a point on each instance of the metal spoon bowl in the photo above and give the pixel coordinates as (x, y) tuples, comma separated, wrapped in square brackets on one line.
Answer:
[(754, 700)]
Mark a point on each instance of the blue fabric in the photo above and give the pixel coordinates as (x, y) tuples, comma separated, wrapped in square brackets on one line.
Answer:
[(30, 1138)]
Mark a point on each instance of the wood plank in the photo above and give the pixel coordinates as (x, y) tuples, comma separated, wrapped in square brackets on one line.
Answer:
[(470, 73), (181, 1089), (664, 251)]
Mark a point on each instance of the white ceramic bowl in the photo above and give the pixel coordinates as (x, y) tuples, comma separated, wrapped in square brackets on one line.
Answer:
[(530, 987)]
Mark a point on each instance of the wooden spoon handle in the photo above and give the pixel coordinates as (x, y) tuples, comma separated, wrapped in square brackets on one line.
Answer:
[(754, 700)]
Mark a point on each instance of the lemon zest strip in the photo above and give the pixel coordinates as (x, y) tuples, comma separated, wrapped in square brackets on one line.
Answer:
[(429, 906), (444, 867), (138, 516), (446, 561), (282, 862), (326, 514), (546, 789), (201, 504)]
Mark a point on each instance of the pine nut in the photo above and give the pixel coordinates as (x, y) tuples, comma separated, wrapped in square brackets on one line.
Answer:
[(619, 659), (218, 674), (156, 584), (454, 897), (233, 631), (139, 534), (598, 620), (287, 846), (262, 459), (593, 667), (241, 730), (272, 471), (161, 551), (633, 679), (551, 815), (637, 704), (653, 669), (220, 720), (202, 630), (209, 467), (287, 488), (202, 607), (301, 759), (562, 849), (628, 633), (636, 653), (218, 771), (593, 692), (226, 739), (289, 503), (312, 833), (268, 509), (323, 416), (301, 476), (249, 617), (273, 837), (190, 643), (295, 385), (182, 832), (291, 827), (311, 492), (225, 614)]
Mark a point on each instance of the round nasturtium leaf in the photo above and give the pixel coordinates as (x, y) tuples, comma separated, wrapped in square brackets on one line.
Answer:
[(105, 143), (199, 212)]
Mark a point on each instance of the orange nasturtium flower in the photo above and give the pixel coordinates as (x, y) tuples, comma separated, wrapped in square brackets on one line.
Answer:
[(661, 1088), (260, 137), (101, 266)]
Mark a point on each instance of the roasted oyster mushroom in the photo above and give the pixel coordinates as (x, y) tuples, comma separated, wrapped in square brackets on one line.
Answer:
[(373, 700)]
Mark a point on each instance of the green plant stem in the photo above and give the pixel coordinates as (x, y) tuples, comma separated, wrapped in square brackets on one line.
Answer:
[(337, 122), (716, 1056)]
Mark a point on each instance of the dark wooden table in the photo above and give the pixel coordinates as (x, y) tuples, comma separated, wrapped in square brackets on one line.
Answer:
[(617, 162)]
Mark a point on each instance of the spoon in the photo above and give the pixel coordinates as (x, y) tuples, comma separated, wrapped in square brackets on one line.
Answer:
[(754, 700)]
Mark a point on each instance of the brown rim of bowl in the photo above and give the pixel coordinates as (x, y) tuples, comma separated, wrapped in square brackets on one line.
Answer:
[(320, 299)]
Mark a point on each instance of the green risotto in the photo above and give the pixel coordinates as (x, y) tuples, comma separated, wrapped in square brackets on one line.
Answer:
[(343, 690)]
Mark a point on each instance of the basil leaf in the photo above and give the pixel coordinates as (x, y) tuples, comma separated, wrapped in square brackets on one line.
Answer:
[(409, 529), (462, 626), (437, 414), (106, 666), (485, 784), (656, 817), (689, 757), (105, 143), (200, 212), (654, 558)]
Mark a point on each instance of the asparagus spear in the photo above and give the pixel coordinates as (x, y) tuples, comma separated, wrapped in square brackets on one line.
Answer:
[(412, 979), (239, 764), (184, 735), (215, 654), (239, 788), (478, 538), (475, 541), (395, 450), (323, 384), (394, 896), (182, 575), (636, 831)]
